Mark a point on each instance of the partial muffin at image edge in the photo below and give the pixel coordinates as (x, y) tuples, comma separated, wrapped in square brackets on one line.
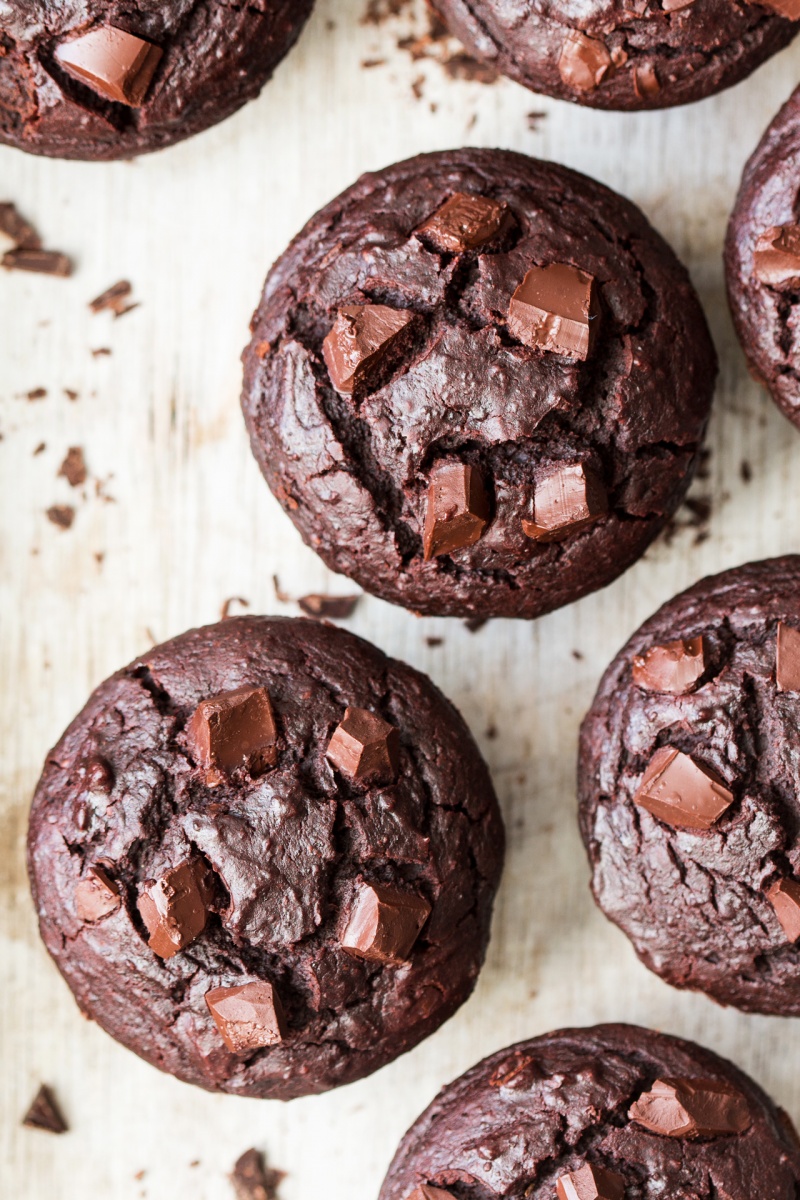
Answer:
[(264, 857), (689, 783), (478, 384), (108, 81), (640, 55), (598, 1114), (762, 260)]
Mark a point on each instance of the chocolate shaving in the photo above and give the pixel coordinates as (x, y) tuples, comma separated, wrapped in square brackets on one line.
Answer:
[(15, 227), (44, 1113), (114, 299)]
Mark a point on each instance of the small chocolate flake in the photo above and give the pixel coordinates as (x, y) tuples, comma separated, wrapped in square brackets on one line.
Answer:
[(252, 1179), (17, 230), (114, 299), (61, 515), (44, 1113), (337, 608), (674, 667), (591, 1183), (73, 468), (40, 449), (784, 896), (40, 262)]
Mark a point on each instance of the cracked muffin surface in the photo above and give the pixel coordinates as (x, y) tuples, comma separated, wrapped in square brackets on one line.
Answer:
[(557, 1115), (264, 857), (478, 384), (688, 784), (622, 54), (169, 70)]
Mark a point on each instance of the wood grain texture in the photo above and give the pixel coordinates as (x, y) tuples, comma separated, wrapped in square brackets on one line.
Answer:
[(183, 521)]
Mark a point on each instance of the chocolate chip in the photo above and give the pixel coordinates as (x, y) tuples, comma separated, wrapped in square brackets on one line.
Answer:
[(776, 258), (556, 308), (787, 658), (44, 1113), (174, 908), (674, 667), (17, 230), (464, 222), (360, 340), (41, 262), (116, 64), (365, 748), (457, 509), (337, 608), (253, 1180), (248, 1016), (61, 515), (784, 896), (96, 896), (584, 61), (73, 468), (384, 923), (682, 792), (234, 729), (645, 81), (691, 1108), (567, 500), (590, 1183), (426, 1192), (98, 773)]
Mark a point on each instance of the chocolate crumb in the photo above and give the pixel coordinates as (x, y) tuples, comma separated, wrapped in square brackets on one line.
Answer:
[(434, 641), (17, 230), (225, 611), (577, 655), (746, 471), (114, 299), (40, 449), (534, 120), (44, 1113), (490, 732), (473, 624), (36, 394), (40, 262), (336, 607), (369, 63), (253, 1180), (71, 394), (379, 11), (101, 352), (73, 468), (280, 595), (61, 515)]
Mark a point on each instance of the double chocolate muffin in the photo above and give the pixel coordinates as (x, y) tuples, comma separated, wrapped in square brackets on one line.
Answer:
[(478, 384), (599, 1114), (689, 784), (633, 55), (104, 79), (264, 857)]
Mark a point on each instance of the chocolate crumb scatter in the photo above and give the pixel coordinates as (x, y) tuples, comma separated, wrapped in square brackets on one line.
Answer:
[(252, 1179), (44, 1113), (73, 468), (682, 792), (61, 515), (365, 748)]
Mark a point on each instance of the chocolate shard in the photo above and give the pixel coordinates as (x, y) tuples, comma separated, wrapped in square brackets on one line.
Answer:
[(384, 923), (675, 5), (584, 61), (591, 1183), (787, 658), (40, 262), (784, 896), (44, 1113), (682, 792), (365, 748), (359, 342), (98, 774), (337, 608), (556, 308), (96, 896), (115, 299), (465, 222), (457, 510), (16, 230), (674, 667), (645, 81), (248, 1016), (174, 908), (784, 8), (234, 729), (567, 500), (252, 1179), (426, 1192), (776, 258), (117, 65), (692, 1108)]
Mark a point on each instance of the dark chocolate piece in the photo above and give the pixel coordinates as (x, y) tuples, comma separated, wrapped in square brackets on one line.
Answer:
[(365, 747), (784, 896), (61, 515), (40, 262), (776, 258), (556, 308), (565, 502), (116, 64), (692, 1108), (114, 299), (73, 468), (384, 923), (44, 1113), (252, 1179), (465, 222), (673, 667), (591, 1183), (337, 608), (360, 340), (235, 729), (457, 510), (249, 1016), (96, 896), (584, 61), (174, 907), (98, 774), (17, 230), (645, 81), (787, 658), (682, 792)]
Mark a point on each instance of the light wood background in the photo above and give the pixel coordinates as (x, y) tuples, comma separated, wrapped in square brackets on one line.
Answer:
[(187, 522)]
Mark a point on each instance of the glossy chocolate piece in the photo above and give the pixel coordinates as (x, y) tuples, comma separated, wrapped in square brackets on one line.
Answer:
[(234, 729), (96, 896), (365, 748), (360, 340), (174, 907), (556, 308), (590, 1183), (674, 667), (566, 501), (692, 1108), (248, 1016), (117, 65), (384, 923), (682, 792), (457, 509), (584, 62), (784, 896), (787, 658), (776, 258), (465, 222)]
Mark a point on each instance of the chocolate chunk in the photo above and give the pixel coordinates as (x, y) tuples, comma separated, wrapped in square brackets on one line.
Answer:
[(465, 222), (691, 1108), (337, 608), (787, 658), (365, 748), (252, 1179), (249, 1016), (234, 729), (556, 308), (674, 667), (96, 896), (61, 515), (784, 8), (645, 81), (116, 64), (682, 792), (44, 1113), (360, 340), (175, 907), (675, 5), (776, 258), (457, 510), (41, 262), (384, 924), (114, 299), (73, 468), (99, 775), (426, 1192), (16, 230), (564, 502), (584, 61), (784, 896), (590, 1183)]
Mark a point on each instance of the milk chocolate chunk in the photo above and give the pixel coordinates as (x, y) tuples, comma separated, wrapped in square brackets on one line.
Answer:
[(784, 896), (365, 748), (691, 1108), (464, 222), (360, 340), (776, 258), (591, 1183), (426, 1192), (457, 509), (117, 65), (384, 923), (556, 308), (249, 1016), (681, 792), (44, 1113), (234, 729), (787, 658), (564, 502), (96, 896), (584, 61), (674, 667), (174, 908)]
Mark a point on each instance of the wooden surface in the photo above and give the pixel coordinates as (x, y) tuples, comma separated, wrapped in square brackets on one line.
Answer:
[(183, 521)]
